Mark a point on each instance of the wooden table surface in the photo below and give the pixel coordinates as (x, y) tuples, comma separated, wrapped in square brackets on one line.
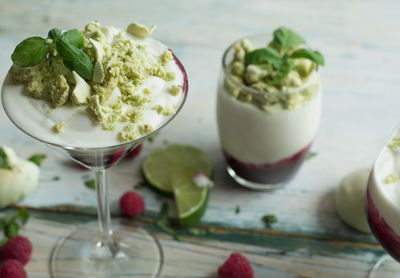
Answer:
[(360, 109)]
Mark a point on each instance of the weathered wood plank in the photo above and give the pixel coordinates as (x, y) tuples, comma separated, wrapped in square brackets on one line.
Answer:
[(201, 257)]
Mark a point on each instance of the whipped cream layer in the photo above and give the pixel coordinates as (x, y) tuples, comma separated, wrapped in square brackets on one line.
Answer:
[(37, 117), (255, 136), (384, 188)]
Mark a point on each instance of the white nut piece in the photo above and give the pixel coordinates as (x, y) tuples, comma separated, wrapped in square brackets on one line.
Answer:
[(81, 92), (140, 30)]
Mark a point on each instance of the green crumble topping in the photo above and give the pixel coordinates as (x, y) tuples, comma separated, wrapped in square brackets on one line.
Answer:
[(175, 90), (59, 127), (166, 57), (130, 132), (395, 143), (146, 91), (166, 111), (392, 178), (270, 95)]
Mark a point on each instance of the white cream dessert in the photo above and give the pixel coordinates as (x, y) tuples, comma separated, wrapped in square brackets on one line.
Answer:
[(383, 197), (18, 177), (135, 88), (278, 141), (350, 199), (268, 107)]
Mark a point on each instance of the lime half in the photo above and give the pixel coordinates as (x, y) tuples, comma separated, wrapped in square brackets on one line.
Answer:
[(169, 171)]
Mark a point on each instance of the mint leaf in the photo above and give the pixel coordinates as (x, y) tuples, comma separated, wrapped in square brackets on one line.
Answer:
[(12, 229), (263, 55), (269, 219), (37, 158), (286, 38), (74, 37), (4, 160), (30, 52), (283, 71), (91, 184), (75, 59), (312, 55), (23, 214), (54, 34)]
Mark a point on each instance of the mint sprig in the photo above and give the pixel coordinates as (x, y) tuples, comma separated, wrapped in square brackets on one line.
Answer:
[(33, 51), (75, 59), (4, 164), (11, 224), (280, 54)]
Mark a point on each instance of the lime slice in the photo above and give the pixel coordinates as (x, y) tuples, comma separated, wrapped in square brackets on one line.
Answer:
[(169, 171)]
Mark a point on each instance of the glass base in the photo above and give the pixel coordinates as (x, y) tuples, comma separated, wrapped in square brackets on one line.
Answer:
[(385, 267), (133, 253), (250, 184)]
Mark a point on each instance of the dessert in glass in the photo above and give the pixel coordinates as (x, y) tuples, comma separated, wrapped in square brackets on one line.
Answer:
[(382, 203), (268, 107), (94, 96)]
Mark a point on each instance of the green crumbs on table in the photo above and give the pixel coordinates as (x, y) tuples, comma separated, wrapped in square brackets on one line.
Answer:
[(237, 210), (170, 170), (269, 219), (91, 184), (311, 155), (37, 158)]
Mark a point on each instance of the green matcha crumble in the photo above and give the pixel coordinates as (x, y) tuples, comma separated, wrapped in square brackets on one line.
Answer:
[(166, 111), (166, 57), (392, 178), (174, 90), (146, 91), (59, 127), (395, 143)]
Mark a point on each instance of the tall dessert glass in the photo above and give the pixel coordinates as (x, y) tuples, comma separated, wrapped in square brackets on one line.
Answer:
[(264, 142), (382, 203), (104, 249)]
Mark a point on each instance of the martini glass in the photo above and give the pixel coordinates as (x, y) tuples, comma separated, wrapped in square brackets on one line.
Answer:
[(105, 248)]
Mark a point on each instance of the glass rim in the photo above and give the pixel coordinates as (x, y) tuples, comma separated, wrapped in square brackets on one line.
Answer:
[(225, 66), (185, 88)]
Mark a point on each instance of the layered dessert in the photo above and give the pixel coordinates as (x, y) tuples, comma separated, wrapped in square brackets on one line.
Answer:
[(96, 88), (383, 197), (268, 106)]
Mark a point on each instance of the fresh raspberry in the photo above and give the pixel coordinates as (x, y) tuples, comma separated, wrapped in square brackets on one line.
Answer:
[(131, 204), (12, 269), (135, 152), (237, 266), (16, 248)]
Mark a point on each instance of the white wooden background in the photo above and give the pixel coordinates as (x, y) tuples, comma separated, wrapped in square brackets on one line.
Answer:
[(360, 109)]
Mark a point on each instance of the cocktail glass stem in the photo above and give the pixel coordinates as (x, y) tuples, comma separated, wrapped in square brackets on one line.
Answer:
[(106, 246)]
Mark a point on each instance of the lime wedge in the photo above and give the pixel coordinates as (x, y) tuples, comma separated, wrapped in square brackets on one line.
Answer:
[(169, 171)]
